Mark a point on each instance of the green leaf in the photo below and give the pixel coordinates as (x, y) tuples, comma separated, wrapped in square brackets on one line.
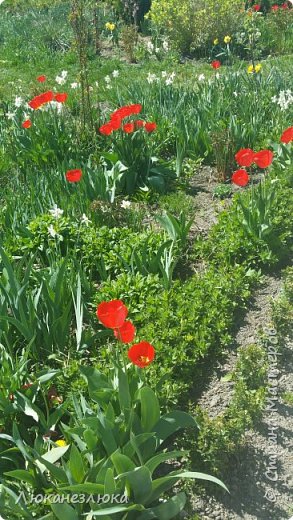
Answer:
[(76, 464), (114, 510), (122, 463), (123, 388), (21, 474), (167, 510), (150, 408), (140, 482), (155, 461), (109, 483), (172, 422), (87, 487), (64, 512), (51, 456)]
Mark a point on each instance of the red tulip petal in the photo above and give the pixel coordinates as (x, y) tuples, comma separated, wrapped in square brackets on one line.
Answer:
[(112, 314)]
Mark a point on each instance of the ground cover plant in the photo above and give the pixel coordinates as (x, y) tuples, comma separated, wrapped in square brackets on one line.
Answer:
[(115, 299)]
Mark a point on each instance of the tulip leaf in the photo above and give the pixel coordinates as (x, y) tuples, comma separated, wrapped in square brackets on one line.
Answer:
[(76, 464), (150, 408), (64, 512), (171, 422), (167, 510)]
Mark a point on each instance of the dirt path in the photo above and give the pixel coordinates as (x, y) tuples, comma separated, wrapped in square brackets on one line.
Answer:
[(260, 475)]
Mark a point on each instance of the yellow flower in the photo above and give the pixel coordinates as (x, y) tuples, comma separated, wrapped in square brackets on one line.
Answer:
[(227, 39), (216, 41), (61, 443), (110, 26), (251, 69)]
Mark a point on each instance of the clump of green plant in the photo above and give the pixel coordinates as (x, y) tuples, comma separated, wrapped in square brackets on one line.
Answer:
[(220, 436), (222, 191), (256, 229), (113, 443), (129, 38), (283, 307)]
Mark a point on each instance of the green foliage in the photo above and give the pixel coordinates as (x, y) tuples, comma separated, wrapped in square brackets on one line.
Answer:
[(194, 25), (283, 307), (257, 229), (218, 437), (115, 443)]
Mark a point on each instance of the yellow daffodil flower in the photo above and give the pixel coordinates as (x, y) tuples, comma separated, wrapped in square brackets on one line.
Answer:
[(110, 26), (216, 41), (251, 69), (61, 443), (227, 39)]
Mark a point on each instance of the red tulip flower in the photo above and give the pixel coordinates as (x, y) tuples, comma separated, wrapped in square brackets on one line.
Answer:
[(285, 6), (141, 354), (275, 7), (150, 127), (41, 99), (41, 79), (115, 123), (27, 124), (128, 128), (256, 7), (106, 129), (139, 123), (73, 175), (245, 157), (125, 333), (126, 111), (61, 97), (216, 64), (287, 135), (263, 159), (240, 178), (112, 314)]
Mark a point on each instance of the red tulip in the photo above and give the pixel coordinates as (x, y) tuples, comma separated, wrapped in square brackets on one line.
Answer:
[(41, 99), (150, 127), (128, 128), (240, 177), (61, 97), (106, 129), (112, 314), (285, 6), (141, 354), (216, 64), (139, 123), (275, 7), (41, 79), (264, 158), (125, 333), (257, 7), (73, 175), (245, 157), (115, 123), (27, 124), (126, 111), (287, 135)]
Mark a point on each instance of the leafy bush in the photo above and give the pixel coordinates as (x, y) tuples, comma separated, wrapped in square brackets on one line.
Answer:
[(192, 25), (252, 231), (219, 436), (283, 307)]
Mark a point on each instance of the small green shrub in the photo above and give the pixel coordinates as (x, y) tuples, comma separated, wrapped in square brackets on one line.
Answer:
[(220, 436), (283, 307)]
